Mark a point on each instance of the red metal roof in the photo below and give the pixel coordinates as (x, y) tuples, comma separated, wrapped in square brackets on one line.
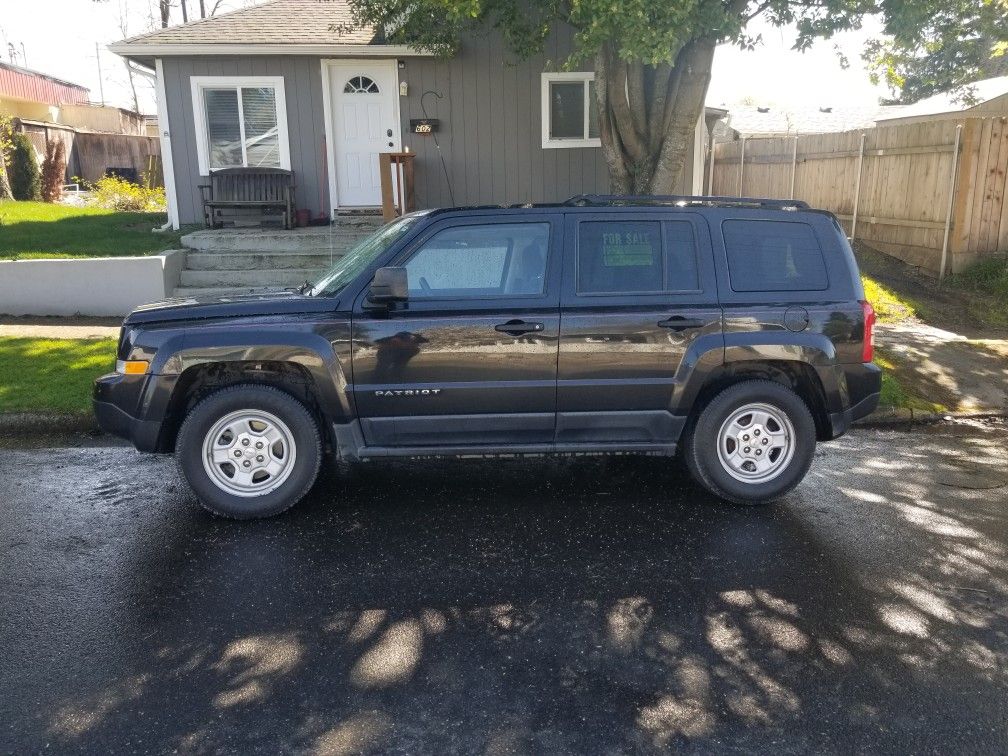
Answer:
[(37, 87)]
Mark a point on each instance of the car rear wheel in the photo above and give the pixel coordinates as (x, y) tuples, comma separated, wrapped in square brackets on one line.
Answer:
[(752, 443), (249, 451)]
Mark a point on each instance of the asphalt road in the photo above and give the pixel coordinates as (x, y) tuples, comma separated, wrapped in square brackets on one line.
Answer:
[(586, 606)]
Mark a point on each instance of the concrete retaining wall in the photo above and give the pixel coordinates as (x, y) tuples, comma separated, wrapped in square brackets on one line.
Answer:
[(94, 286)]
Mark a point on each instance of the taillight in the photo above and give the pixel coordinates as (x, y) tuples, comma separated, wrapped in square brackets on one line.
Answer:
[(868, 342)]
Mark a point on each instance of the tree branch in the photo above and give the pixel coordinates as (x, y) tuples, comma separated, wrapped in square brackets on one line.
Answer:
[(635, 95), (695, 59), (616, 82), (612, 148), (664, 87)]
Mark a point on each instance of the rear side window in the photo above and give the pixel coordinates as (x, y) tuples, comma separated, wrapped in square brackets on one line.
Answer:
[(773, 256), (635, 257)]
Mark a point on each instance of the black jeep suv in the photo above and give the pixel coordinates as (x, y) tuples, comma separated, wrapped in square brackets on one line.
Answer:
[(734, 331)]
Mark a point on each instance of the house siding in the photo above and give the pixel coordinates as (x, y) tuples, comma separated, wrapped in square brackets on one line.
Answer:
[(490, 129), (305, 123)]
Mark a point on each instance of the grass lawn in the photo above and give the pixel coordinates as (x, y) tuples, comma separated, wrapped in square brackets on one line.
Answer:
[(34, 230), (52, 375), (973, 302), (889, 306), (895, 379), (984, 287)]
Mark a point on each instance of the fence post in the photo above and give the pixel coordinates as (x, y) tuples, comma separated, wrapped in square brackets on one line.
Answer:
[(794, 163), (710, 169), (857, 188), (741, 169), (951, 202), (967, 181)]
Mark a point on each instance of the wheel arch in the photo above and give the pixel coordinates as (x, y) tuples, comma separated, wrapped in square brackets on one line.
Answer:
[(202, 378), (797, 375)]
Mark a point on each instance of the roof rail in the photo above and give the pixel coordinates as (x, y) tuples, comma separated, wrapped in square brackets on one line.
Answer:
[(602, 200)]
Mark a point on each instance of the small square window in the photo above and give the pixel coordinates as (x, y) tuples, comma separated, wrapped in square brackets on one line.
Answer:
[(569, 110), (566, 110)]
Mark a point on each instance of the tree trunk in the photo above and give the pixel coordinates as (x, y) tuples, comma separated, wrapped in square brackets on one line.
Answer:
[(165, 8), (647, 116), (132, 84), (5, 187), (185, 12)]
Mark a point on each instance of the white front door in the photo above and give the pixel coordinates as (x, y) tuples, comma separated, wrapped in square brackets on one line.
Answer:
[(364, 96)]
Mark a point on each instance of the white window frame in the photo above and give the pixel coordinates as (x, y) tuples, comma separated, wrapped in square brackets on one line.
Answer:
[(199, 83), (550, 143)]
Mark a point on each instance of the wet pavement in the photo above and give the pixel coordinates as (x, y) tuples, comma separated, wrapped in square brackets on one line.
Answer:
[(589, 606)]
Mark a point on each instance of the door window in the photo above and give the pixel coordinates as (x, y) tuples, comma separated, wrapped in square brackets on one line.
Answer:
[(360, 85), (493, 260), (632, 257)]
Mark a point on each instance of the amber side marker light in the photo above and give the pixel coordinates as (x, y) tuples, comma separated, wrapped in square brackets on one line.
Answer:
[(131, 367)]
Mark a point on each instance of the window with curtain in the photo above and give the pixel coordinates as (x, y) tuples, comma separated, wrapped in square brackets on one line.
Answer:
[(242, 128)]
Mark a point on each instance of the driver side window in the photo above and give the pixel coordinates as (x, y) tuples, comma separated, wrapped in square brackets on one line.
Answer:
[(478, 261)]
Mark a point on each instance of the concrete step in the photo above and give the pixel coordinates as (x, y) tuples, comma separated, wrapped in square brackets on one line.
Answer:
[(341, 237), (211, 292), (249, 278), (247, 260)]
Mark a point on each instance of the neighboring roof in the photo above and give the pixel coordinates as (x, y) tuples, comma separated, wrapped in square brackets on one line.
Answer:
[(953, 101), (757, 120), (36, 86), (274, 22)]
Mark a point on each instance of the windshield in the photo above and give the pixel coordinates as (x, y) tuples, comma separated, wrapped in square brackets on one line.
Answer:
[(362, 255)]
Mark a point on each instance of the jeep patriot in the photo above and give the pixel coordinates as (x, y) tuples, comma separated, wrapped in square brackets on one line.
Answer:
[(731, 331)]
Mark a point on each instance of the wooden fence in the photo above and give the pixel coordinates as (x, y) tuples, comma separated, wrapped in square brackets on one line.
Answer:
[(932, 194), (90, 155)]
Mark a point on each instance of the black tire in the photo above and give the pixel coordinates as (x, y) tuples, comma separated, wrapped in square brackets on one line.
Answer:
[(201, 420), (700, 445)]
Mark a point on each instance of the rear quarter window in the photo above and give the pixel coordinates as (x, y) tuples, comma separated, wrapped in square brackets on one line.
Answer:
[(773, 256)]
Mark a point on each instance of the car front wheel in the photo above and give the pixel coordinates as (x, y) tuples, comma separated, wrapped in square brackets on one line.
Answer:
[(249, 451), (752, 443)]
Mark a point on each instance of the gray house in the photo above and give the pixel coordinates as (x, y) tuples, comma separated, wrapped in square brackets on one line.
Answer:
[(277, 85)]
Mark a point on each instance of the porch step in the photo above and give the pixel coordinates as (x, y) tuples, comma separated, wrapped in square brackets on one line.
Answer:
[(277, 278), (264, 261), (340, 237), (211, 292)]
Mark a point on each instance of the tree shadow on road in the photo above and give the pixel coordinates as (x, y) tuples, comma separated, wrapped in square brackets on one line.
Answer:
[(572, 606)]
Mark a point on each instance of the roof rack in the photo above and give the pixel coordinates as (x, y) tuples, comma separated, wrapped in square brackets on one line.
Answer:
[(603, 200)]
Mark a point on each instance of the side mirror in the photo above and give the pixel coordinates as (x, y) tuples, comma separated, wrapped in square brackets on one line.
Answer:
[(389, 285)]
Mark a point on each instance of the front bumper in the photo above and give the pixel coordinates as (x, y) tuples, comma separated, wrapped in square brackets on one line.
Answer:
[(133, 407)]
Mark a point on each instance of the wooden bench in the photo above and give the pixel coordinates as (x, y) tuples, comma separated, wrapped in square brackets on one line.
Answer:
[(239, 188)]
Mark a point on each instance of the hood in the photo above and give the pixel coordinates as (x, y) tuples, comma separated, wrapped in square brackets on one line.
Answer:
[(235, 306)]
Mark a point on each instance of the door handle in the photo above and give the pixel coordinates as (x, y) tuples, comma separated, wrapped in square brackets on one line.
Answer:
[(518, 327), (679, 323)]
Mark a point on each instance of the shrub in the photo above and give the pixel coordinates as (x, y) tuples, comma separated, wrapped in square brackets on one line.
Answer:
[(24, 170), (53, 170), (114, 193)]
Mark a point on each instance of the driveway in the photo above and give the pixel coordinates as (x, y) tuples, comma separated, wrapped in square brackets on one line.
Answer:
[(590, 606)]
